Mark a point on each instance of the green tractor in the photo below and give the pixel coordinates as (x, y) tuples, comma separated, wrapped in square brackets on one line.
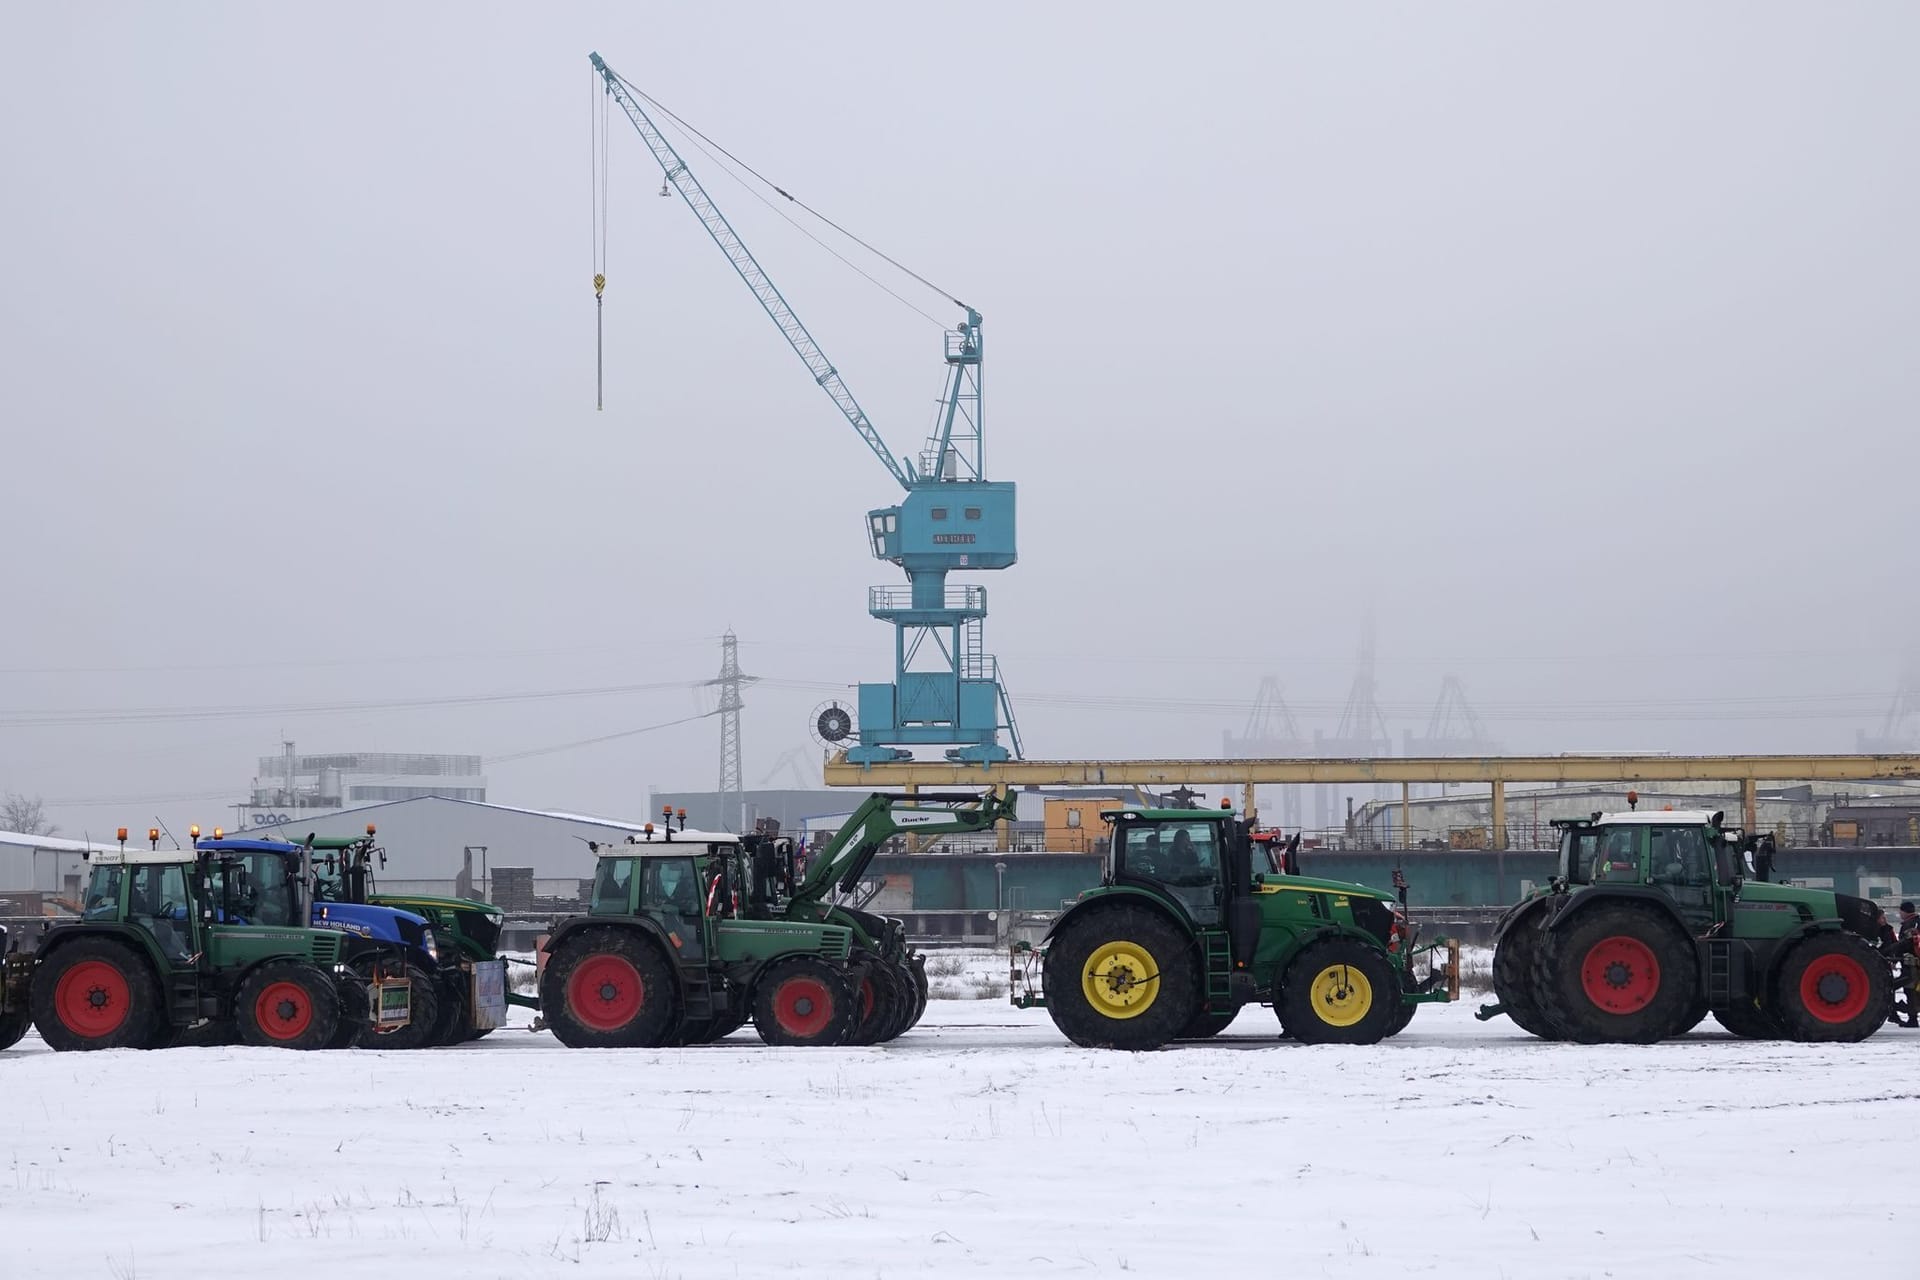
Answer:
[(690, 934), (470, 988), (664, 957), (161, 953), (1653, 920), (1183, 931)]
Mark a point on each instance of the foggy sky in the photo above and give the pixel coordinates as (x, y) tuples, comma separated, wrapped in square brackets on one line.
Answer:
[(1574, 346)]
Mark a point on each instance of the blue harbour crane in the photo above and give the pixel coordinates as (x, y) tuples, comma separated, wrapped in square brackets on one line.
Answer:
[(946, 689)]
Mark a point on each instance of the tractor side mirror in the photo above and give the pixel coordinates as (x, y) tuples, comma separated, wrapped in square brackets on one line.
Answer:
[(1290, 857)]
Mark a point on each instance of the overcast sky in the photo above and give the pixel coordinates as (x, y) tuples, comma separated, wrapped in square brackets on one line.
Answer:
[(1574, 346)]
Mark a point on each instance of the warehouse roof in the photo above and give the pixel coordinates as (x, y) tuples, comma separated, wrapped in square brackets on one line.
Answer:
[(53, 844), (620, 824)]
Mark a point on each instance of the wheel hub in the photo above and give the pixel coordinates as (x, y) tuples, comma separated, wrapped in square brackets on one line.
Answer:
[(286, 1010), (803, 1006), (1120, 980), (1620, 974), (97, 997), (609, 992), (1833, 988)]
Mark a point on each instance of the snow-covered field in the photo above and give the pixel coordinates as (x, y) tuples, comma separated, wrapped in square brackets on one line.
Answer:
[(978, 1144)]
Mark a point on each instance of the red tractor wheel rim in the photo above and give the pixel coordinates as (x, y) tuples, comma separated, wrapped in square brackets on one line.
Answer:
[(605, 992), (1620, 975), (803, 1007), (93, 998), (284, 1010), (1834, 989)]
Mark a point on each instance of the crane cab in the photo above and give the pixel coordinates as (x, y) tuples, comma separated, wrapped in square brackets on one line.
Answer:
[(959, 524)]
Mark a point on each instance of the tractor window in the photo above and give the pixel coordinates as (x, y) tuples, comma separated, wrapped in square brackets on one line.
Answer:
[(672, 890), (612, 887), (1184, 857), (1614, 858), (671, 884), (1577, 849), (157, 902), (103, 894), (1181, 854), (1678, 856), (269, 896)]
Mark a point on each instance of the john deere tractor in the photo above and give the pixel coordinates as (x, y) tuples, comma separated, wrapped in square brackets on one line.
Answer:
[(1654, 919), (1183, 931), (171, 941)]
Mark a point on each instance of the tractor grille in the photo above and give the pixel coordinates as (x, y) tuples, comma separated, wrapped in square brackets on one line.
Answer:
[(836, 944), (326, 947)]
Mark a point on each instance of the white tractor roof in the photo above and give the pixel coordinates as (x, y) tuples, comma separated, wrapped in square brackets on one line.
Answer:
[(655, 842), (137, 855), (1660, 817)]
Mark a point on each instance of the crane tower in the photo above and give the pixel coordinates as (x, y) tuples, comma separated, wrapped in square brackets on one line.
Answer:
[(946, 689)]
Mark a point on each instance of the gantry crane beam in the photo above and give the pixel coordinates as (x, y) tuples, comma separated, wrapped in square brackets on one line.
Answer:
[(1497, 771)]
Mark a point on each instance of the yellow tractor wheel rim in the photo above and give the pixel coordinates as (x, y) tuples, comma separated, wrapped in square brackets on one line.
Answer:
[(1120, 980), (1341, 995)]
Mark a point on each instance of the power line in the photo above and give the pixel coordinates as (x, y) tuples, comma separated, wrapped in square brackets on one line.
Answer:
[(168, 715)]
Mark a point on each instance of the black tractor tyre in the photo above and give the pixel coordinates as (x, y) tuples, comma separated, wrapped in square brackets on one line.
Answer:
[(287, 1004), (1121, 977), (1513, 977), (454, 1019), (1695, 1016), (610, 988), (1339, 991), (1205, 1024), (883, 1003), (805, 1001), (1831, 987), (1401, 1017), (13, 1025), (96, 993), (917, 975), (1749, 1021), (1618, 974), (425, 1012)]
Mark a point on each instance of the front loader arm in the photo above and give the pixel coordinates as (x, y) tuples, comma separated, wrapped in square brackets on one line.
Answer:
[(884, 815)]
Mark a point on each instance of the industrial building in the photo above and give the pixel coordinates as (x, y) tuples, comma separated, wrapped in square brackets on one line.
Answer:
[(290, 787), (437, 844), (38, 871)]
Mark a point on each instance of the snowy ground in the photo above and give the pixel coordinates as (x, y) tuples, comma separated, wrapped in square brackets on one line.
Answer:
[(978, 1144)]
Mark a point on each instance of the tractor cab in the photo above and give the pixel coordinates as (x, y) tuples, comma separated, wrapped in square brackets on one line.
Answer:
[(1193, 856), (682, 881), (1688, 856)]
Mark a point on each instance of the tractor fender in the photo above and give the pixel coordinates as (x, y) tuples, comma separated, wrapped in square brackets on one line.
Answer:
[(1308, 937), (648, 929), (64, 935), (1130, 896), (1523, 911), (1577, 904)]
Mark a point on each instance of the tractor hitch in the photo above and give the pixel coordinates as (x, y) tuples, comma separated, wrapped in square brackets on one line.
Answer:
[(1025, 984)]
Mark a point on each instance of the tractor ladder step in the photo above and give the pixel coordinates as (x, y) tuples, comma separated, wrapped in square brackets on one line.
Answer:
[(1218, 953), (1719, 973)]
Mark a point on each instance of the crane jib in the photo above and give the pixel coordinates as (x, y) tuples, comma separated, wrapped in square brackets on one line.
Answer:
[(756, 279)]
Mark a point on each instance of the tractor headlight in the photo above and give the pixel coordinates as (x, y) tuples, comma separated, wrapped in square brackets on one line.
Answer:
[(432, 945)]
